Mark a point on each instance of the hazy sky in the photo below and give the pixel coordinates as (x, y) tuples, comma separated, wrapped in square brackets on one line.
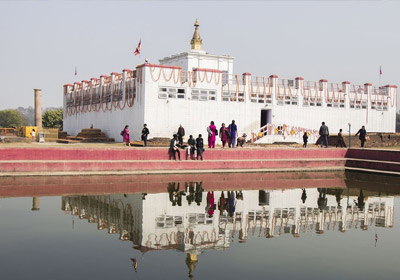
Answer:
[(43, 41)]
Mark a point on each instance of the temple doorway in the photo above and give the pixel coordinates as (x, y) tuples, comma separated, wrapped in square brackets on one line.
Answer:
[(266, 116)]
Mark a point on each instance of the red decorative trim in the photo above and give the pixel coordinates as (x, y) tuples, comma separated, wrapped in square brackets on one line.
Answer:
[(246, 74), (93, 79), (367, 84), (388, 86), (85, 81), (299, 78), (77, 83), (103, 76), (273, 76), (346, 82), (207, 70), (158, 65), (70, 85), (115, 73), (394, 86), (323, 80), (129, 70)]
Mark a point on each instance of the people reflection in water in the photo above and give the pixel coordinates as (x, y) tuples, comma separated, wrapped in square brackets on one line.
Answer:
[(338, 194), (304, 196), (199, 193), (322, 200), (175, 196), (239, 195), (210, 203), (231, 203), (191, 236), (360, 203), (190, 192), (222, 205)]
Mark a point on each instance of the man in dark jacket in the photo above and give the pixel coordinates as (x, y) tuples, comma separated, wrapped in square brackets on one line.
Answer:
[(340, 140), (191, 149), (145, 132), (324, 133), (181, 133), (199, 147), (363, 134)]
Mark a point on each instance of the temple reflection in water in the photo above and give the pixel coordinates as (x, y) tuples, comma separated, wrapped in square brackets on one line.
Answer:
[(189, 219)]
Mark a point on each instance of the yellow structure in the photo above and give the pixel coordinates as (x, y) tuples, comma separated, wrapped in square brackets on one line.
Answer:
[(25, 131), (196, 40)]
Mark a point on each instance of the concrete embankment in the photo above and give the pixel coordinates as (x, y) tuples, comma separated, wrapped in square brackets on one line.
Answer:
[(28, 161), (83, 161)]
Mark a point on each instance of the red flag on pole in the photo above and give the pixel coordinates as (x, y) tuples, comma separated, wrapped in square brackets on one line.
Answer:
[(139, 46)]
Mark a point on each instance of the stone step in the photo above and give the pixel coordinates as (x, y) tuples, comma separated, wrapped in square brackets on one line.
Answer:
[(132, 153), (390, 166), (129, 165)]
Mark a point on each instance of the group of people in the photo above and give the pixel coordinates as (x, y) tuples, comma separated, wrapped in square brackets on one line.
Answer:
[(194, 149), (126, 136), (226, 134), (324, 133)]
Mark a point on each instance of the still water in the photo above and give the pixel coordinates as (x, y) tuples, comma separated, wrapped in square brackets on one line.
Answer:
[(239, 226)]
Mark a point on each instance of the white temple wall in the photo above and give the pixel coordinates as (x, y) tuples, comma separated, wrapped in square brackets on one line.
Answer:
[(167, 114), (110, 122), (199, 59), (163, 115)]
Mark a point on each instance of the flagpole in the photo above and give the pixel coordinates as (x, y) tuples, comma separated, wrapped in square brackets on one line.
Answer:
[(380, 74)]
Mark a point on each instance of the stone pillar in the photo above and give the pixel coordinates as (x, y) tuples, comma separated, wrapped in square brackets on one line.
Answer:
[(38, 108), (35, 203)]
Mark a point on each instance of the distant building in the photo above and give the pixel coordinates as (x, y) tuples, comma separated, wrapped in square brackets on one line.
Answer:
[(195, 87)]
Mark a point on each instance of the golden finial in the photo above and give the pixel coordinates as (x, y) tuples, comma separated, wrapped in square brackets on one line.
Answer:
[(196, 40)]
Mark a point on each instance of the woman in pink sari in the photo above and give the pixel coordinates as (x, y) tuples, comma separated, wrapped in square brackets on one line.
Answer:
[(125, 135), (210, 203), (211, 135)]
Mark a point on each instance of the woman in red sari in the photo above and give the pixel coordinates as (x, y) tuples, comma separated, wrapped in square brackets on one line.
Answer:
[(223, 134), (211, 135)]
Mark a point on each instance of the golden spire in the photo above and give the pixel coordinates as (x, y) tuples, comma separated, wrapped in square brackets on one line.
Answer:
[(196, 41), (191, 260)]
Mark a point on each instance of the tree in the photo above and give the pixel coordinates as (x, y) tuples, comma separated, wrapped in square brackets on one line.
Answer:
[(11, 118), (28, 114), (53, 118)]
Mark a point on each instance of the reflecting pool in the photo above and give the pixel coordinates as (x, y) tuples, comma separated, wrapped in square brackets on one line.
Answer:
[(209, 226)]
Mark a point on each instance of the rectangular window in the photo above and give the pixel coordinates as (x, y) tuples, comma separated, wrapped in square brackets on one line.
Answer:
[(204, 95), (169, 92)]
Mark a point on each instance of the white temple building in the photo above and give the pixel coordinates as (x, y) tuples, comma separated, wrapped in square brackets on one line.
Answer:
[(195, 87)]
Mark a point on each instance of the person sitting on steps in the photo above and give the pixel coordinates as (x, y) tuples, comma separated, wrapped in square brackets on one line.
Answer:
[(173, 147)]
